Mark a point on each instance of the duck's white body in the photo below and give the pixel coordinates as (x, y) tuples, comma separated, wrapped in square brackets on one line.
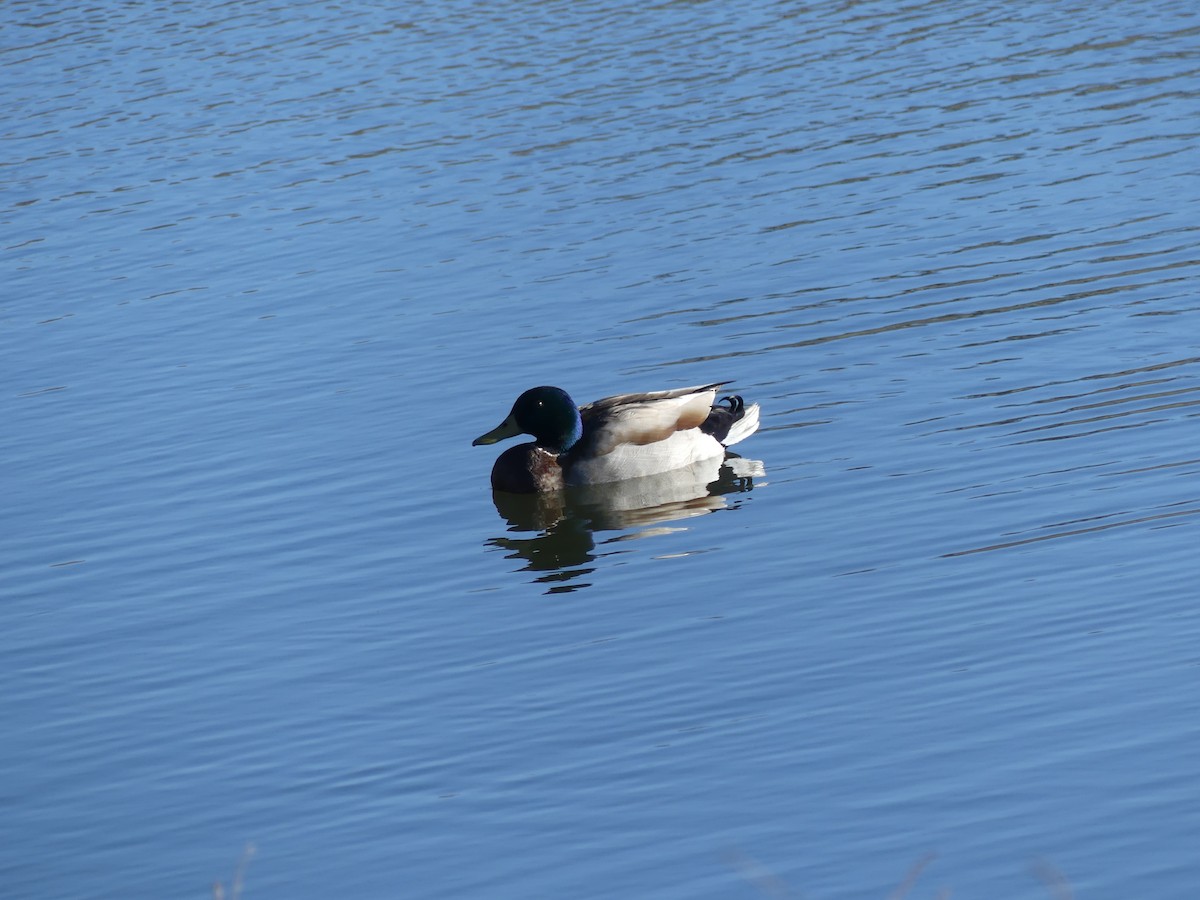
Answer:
[(632, 442)]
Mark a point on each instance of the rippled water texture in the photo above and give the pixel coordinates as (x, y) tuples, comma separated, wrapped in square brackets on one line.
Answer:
[(268, 270)]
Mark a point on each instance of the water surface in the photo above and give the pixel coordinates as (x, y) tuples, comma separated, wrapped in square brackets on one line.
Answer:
[(267, 275)]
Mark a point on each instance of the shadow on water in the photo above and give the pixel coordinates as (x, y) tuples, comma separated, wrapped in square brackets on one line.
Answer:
[(565, 522)]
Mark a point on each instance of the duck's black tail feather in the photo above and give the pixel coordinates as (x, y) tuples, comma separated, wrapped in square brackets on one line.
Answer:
[(726, 415)]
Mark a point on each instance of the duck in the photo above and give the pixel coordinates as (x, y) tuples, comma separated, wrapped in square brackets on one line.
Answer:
[(616, 438)]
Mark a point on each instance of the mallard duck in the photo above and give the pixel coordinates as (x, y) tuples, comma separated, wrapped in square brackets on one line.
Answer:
[(626, 436)]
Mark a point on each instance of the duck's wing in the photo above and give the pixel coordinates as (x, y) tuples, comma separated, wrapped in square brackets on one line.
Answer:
[(644, 418)]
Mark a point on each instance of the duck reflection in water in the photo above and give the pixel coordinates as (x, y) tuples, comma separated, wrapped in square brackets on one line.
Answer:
[(565, 522), (628, 461)]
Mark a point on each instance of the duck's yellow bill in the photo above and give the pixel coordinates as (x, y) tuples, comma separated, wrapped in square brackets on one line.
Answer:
[(506, 429)]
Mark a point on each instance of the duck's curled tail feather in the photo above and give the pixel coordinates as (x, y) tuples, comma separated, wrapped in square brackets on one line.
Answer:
[(744, 426), (731, 420)]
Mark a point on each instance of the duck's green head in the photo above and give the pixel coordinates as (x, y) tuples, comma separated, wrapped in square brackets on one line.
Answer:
[(547, 413)]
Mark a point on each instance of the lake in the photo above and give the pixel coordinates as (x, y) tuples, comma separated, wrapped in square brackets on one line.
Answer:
[(268, 271)]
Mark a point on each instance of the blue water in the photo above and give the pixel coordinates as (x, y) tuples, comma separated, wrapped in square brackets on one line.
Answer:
[(267, 272)]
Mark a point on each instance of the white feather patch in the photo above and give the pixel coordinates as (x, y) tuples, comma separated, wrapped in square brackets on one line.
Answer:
[(683, 448), (743, 427)]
